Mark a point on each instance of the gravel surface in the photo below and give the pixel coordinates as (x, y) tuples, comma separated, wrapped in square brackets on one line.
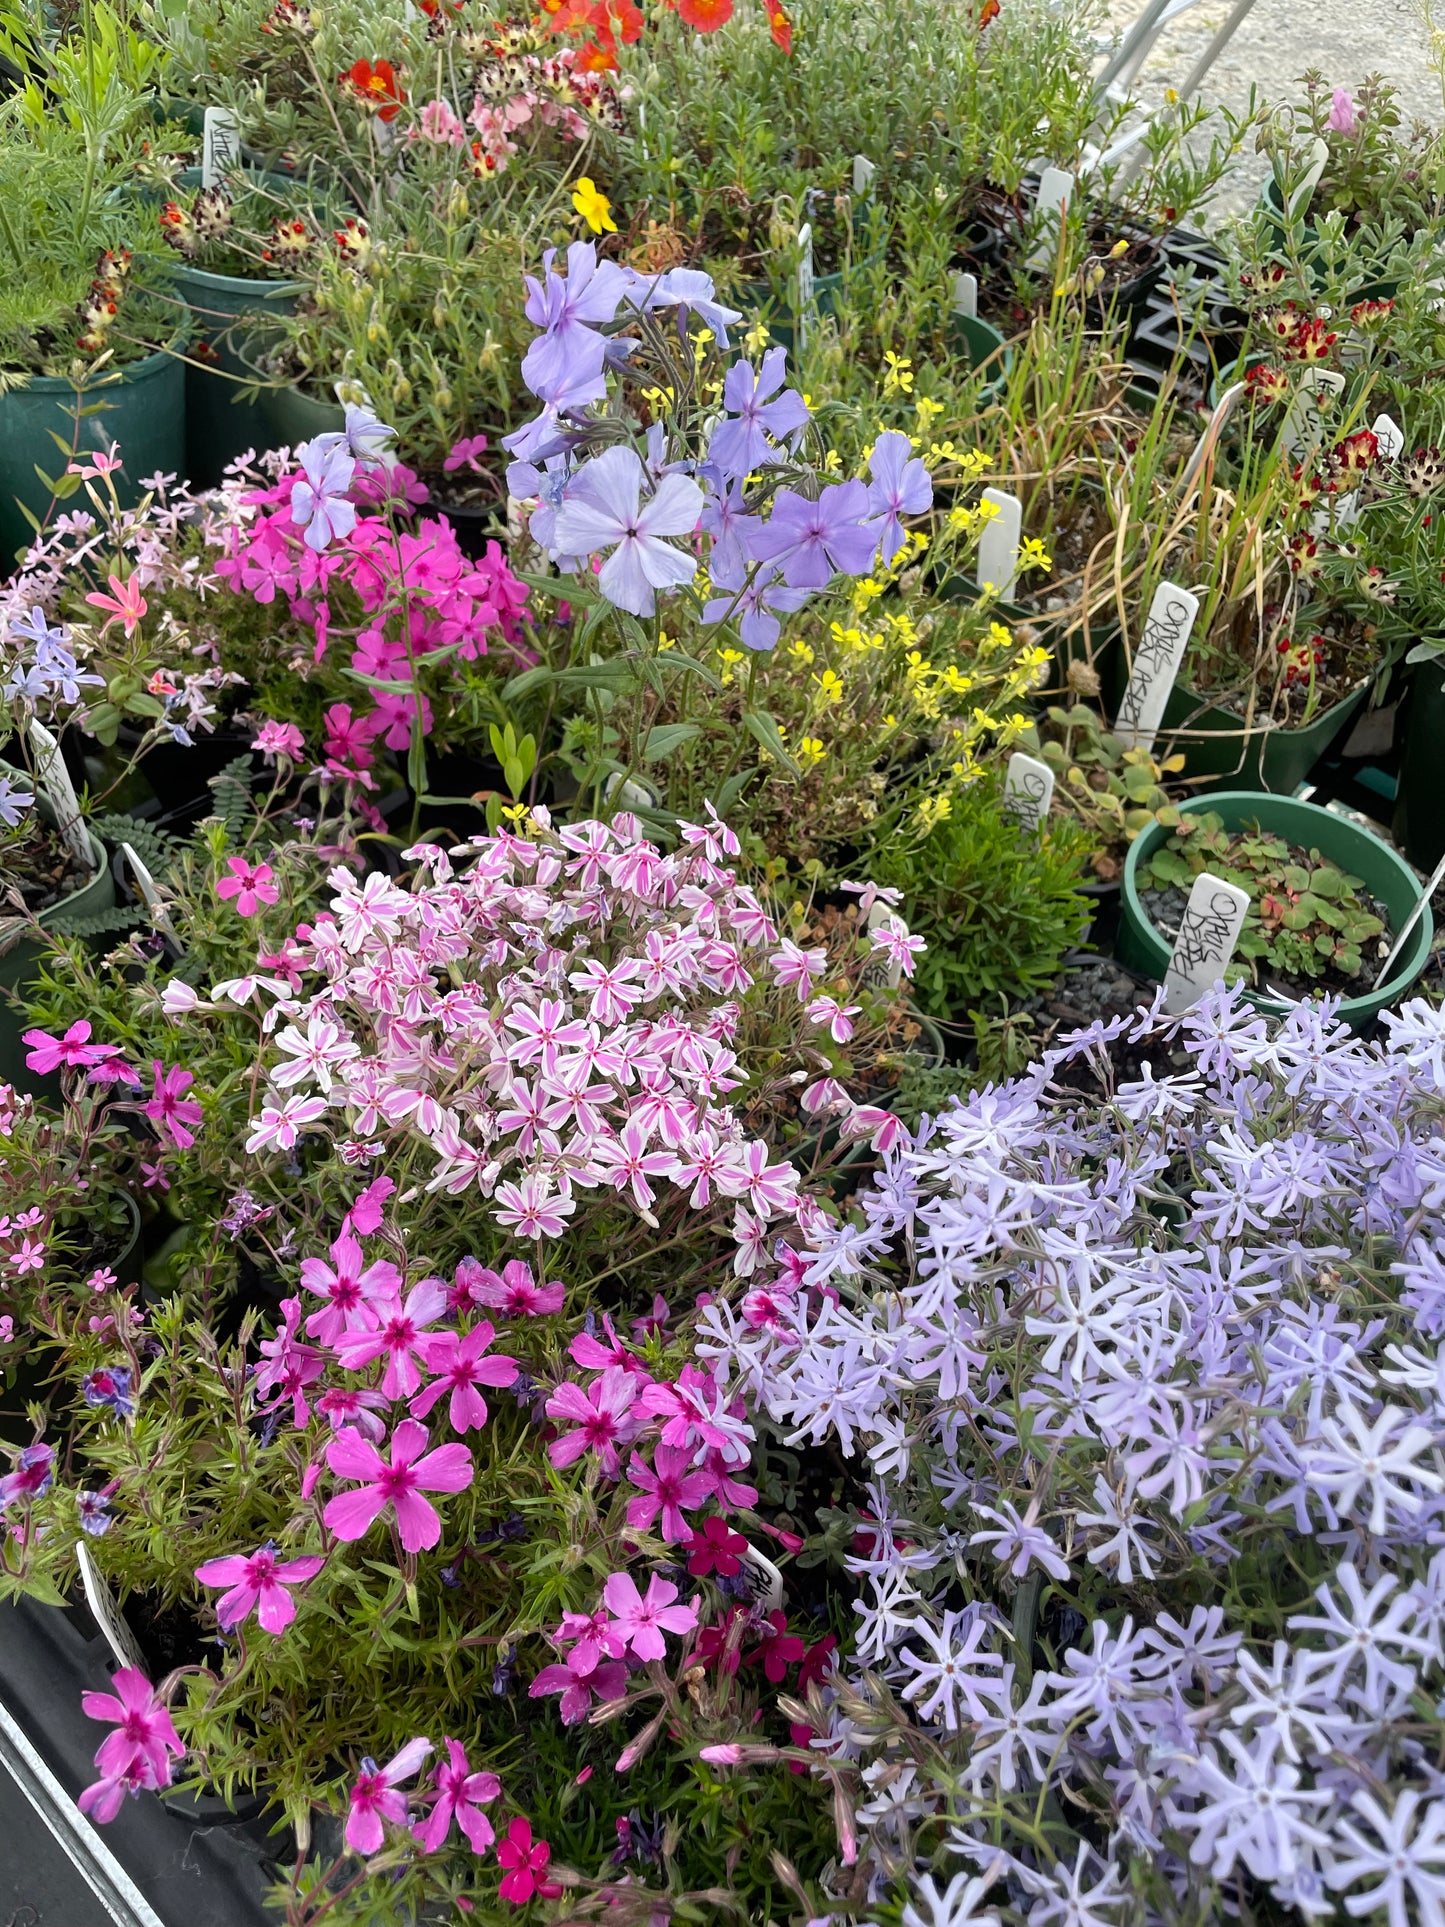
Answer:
[(1273, 45)]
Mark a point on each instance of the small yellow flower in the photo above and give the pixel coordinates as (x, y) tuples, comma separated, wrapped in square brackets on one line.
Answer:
[(809, 751), (927, 408), (802, 651), (987, 511), (962, 518), (830, 686), (942, 452), (832, 462), (898, 377), (665, 641), (1033, 556), (594, 207), (757, 338), (1171, 96)]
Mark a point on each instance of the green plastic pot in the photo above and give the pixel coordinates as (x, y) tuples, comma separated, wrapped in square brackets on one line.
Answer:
[(19, 965), (1220, 750), (979, 342), (295, 417), (782, 318), (143, 411), (1384, 873), (1419, 821), (219, 425)]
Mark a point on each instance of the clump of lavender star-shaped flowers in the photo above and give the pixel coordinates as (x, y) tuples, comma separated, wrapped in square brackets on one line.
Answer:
[(1145, 1380)]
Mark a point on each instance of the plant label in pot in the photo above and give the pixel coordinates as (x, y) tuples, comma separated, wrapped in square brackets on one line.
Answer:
[(965, 295), (150, 894), (1391, 439), (106, 1614), (998, 546), (806, 278), (1304, 424), (1028, 790), (54, 779), (220, 146), (1056, 189), (1208, 932), (1156, 664), (863, 172), (1303, 193)]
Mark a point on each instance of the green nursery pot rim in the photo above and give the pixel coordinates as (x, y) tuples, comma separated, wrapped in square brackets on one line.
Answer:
[(151, 364), (1384, 871)]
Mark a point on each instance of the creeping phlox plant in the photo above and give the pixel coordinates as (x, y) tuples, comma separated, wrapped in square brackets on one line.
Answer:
[(723, 454), (553, 1046), (402, 595), (1144, 1374)]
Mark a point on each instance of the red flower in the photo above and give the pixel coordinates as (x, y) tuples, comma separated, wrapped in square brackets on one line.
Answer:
[(376, 85), (779, 1648), (706, 15), (712, 1641), (617, 19), (715, 1549), (816, 1663), (781, 27), (990, 10), (525, 1864)]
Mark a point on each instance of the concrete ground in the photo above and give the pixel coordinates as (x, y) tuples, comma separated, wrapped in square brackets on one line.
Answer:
[(1276, 42)]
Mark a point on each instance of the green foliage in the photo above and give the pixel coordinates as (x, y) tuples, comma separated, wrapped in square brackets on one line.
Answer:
[(1305, 914), (1110, 791), (998, 907)]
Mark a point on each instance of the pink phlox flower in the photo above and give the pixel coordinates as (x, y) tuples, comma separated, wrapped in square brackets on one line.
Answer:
[(356, 1294), (779, 1648), (768, 1188), (641, 1621), (72, 1050), (397, 1482), (668, 1486), (893, 939), (652, 1324), (145, 1739), (695, 1415), (880, 1127), (627, 1163), (589, 1351), (34, 1469), (534, 1208), (458, 1794), (125, 603), (525, 1864), (169, 1109), (515, 1293), (838, 1017), (258, 1583), (399, 1338), (289, 1369), (282, 1124), (606, 1415), (464, 453), (249, 883), (592, 1638), (365, 1215), (605, 1681), (354, 1405), (279, 739), (463, 1367), (374, 1796), (792, 966)]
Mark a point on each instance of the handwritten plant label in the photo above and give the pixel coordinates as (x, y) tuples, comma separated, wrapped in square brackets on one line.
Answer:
[(807, 280), (863, 172), (1391, 439), (220, 146), (1028, 790), (1207, 936), (1156, 664), (998, 546), (106, 1614), (54, 780), (1304, 425), (1056, 190), (150, 894), (965, 295)]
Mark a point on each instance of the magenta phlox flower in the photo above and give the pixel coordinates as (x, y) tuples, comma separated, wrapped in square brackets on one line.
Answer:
[(458, 1794), (258, 1583), (526, 1865), (249, 884), (288, 1369), (515, 1293), (605, 1681), (745, 442), (354, 1405), (602, 509), (170, 1110), (593, 1355), (716, 1548), (72, 1051), (34, 1469), (607, 1416), (814, 541), (463, 1367), (642, 1620), (145, 1739), (900, 485), (396, 1483), (375, 1796), (319, 499), (399, 1337), (356, 1294), (668, 1486), (779, 1649)]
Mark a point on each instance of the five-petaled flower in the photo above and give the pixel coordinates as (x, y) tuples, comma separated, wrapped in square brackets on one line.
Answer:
[(249, 884), (397, 1482), (526, 1864), (258, 1583), (375, 82)]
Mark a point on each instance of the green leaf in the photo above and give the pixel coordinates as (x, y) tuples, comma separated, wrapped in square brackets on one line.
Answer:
[(664, 738), (392, 685), (761, 726), (731, 790), (144, 704), (562, 589)]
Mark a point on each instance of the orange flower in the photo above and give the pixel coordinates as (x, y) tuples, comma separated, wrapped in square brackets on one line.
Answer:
[(990, 10), (617, 19), (376, 85), (706, 15), (781, 28), (596, 57)]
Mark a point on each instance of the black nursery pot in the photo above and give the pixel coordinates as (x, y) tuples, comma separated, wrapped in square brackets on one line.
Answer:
[(181, 777)]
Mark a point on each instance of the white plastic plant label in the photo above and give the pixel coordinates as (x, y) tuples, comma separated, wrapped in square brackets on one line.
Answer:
[(998, 546), (54, 780), (150, 893), (220, 146), (1391, 439), (1156, 664), (1304, 425), (106, 1614), (806, 279), (1056, 190), (880, 968), (1208, 933), (863, 172), (1028, 790), (965, 295), (1310, 179)]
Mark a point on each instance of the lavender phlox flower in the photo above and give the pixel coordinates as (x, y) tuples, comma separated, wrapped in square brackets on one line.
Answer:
[(602, 509), (571, 312), (1380, 1455), (1370, 1632), (754, 604), (899, 485), (814, 541), (959, 1904), (690, 291), (955, 1677), (1403, 1855), (1202, 1649), (1290, 1697), (745, 441), (1132, 1531), (1071, 1895), (34, 627), (1254, 1811), (364, 438), (1019, 1543), (15, 800), (319, 501)]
